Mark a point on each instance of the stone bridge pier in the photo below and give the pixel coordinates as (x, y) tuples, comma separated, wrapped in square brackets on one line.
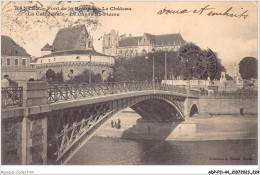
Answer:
[(24, 131)]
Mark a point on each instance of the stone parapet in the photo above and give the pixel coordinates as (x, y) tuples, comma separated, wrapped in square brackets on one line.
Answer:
[(34, 93)]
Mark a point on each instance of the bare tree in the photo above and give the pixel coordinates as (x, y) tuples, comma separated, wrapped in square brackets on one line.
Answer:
[(26, 20)]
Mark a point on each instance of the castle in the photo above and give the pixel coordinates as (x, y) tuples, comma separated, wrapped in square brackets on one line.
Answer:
[(123, 46), (72, 52)]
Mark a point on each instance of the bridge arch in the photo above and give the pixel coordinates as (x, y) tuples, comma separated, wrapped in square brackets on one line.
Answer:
[(80, 123), (158, 109), (194, 110)]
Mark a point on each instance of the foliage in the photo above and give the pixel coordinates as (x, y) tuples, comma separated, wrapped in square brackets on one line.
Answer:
[(110, 78), (84, 78), (24, 25), (228, 77), (248, 68), (140, 68), (12, 83), (53, 77)]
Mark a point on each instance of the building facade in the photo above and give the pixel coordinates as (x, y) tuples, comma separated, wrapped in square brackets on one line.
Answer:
[(72, 52), (123, 46), (15, 61)]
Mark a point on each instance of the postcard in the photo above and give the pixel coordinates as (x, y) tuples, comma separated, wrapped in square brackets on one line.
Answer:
[(129, 83)]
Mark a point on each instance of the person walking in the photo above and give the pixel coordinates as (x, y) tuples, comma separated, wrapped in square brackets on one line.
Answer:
[(5, 82), (115, 124), (112, 124), (118, 124)]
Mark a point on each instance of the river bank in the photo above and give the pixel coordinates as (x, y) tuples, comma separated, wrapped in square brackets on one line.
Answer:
[(218, 140), (207, 127)]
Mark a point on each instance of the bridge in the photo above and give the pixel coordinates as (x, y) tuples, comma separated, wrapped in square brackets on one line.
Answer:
[(41, 121)]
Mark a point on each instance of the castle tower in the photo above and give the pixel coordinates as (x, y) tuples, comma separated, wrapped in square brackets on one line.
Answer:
[(46, 49), (110, 43)]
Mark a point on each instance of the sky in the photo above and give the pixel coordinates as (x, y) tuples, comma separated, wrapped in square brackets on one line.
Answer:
[(232, 38)]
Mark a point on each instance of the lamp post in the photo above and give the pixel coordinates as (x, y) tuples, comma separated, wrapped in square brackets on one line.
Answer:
[(199, 84), (225, 83), (165, 67), (90, 67), (153, 68), (181, 67), (153, 72)]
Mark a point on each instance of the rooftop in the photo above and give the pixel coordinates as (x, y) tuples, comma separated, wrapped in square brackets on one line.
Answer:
[(11, 48), (70, 52), (66, 38), (47, 47), (166, 39)]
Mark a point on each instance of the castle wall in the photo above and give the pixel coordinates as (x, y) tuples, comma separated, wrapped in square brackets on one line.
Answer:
[(73, 65), (75, 58), (72, 69)]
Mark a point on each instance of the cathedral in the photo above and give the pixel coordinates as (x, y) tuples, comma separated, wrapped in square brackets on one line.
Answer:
[(123, 46)]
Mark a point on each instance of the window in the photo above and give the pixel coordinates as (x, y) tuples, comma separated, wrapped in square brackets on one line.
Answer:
[(71, 71), (49, 60), (8, 62), (41, 61), (24, 62), (77, 57), (89, 44), (54, 59), (16, 62)]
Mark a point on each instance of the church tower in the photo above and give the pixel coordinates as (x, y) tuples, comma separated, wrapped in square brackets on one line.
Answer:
[(110, 43)]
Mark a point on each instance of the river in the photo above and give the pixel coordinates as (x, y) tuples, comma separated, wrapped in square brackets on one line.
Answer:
[(108, 148), (116, 151)]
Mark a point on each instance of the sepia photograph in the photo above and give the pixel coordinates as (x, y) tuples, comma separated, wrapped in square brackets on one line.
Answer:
[(129, 83)]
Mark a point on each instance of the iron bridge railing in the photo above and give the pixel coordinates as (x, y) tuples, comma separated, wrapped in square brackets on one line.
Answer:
[(230, 95), (59, 92), (11, 97)]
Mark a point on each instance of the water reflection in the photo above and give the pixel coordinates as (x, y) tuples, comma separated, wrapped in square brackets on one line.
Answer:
[(133, 145), (115, 151)]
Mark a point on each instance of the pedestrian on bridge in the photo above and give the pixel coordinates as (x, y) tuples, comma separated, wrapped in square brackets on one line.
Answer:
[(112, 124), (118, 124), (115, 124), (5, 82)]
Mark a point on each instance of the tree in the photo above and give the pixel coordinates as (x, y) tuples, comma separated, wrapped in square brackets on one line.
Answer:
[(248, 68), (228, 77), (140, 68), (84, 78), (50, 75), (24, 25), (53, 77), (59, 77)]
